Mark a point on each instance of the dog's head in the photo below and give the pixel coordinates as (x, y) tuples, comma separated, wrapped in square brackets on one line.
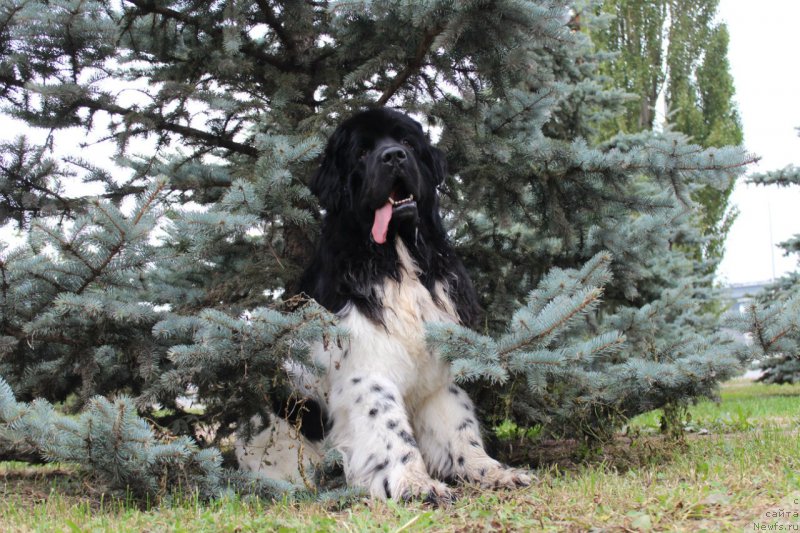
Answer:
[(381, 169)]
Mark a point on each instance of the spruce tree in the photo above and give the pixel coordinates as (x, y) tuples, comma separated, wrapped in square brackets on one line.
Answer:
[(178, 279), (773, 319)]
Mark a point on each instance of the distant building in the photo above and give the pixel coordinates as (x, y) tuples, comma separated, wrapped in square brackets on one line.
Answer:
[(741, 294)]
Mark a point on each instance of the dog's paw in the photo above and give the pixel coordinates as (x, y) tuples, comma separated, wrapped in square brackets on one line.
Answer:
[(493, 475), (430, 491), (407, 486), (507, 478)]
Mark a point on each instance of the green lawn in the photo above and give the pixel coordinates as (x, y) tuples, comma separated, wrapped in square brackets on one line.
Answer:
[(744, 405), (744, 471)]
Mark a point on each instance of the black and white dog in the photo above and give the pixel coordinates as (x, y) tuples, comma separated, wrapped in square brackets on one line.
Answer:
[(385, 267)]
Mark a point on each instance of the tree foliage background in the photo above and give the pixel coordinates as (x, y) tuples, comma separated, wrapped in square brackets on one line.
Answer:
[(176, 277), (676, 50)]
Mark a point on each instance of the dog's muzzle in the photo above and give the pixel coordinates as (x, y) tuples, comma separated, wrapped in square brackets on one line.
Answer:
[(401, 205)]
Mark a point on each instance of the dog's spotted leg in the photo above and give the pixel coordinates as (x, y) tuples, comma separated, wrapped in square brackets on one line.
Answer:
[(372, 431), (451, 444)]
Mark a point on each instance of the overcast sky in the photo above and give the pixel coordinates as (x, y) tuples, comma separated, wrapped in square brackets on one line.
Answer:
[(763, 52)]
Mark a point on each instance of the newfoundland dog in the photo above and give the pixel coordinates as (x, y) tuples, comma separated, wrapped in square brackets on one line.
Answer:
[(385, 267)]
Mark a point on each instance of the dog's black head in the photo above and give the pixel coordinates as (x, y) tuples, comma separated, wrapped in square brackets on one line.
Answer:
[(377, 183), (380, 167)]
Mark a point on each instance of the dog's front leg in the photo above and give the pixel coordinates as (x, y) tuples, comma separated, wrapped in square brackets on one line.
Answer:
[(450, 441), (372, 431)]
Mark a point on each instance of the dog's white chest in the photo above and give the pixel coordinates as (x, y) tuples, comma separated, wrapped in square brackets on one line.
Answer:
[(396, 348), (408, 305)]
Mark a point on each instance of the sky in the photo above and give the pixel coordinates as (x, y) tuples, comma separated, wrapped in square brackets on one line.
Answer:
[(763, 57), (763, 52)]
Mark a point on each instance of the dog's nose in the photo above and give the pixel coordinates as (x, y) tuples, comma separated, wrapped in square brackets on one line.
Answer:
[(394, 155)]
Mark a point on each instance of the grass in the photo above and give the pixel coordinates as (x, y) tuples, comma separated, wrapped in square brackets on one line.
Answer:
[(744, 471), (744, 405)]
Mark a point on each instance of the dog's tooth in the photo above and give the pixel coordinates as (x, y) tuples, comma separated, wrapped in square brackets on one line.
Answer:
[(403, 201)]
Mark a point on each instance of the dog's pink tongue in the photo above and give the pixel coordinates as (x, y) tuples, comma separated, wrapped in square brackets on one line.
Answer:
[(381, 224)]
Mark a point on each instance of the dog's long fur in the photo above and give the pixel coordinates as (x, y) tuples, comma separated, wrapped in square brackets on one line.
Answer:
[(392, 408)]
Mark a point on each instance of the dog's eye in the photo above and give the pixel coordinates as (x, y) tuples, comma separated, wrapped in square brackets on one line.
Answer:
[(363, 153), (407, 143)]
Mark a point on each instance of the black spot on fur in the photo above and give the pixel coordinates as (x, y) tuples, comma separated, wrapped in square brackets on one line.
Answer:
[(380, 466), (460, 460), (465, 424), (475, 443), (356, 380), (466, 406), (347, 265), (373, 412), (391, 424), (406, 458), (358, 400), (390, 397), (453, 390), (376, 388), (482, 472), (386, 487), (407, 438)]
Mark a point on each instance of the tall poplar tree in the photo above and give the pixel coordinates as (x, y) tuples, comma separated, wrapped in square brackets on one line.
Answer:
[(678, 50), (177, 279)]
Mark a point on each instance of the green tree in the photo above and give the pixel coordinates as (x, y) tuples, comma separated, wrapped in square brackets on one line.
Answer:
[(721, 126), (178, 278), (634, 36), (676, 48)]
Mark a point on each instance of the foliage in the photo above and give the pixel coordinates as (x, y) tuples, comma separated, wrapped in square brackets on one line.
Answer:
[(178, 278), (675, 49), (775, 331), (121, 449), (773, 320)]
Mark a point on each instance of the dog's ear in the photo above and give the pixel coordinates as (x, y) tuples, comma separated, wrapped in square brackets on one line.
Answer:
[(326, 183), (439, 165)]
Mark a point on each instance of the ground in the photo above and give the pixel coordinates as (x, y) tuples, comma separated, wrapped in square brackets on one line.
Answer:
[(739, 469)]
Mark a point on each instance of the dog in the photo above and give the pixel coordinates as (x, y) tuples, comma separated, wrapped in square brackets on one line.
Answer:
[(385, 267)]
